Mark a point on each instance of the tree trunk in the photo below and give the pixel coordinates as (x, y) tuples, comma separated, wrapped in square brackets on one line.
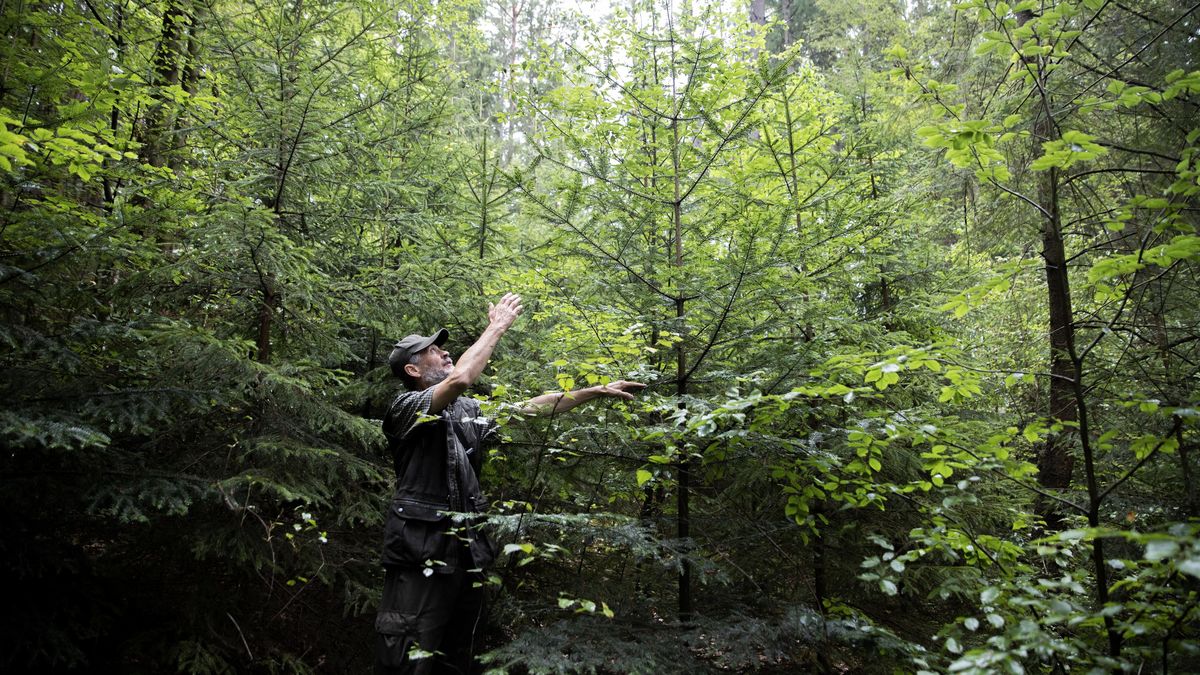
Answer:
[(681, 386), (1055, 461), (1067, 397), (510, 78), (485, 194), (758, 12), (266, 318), (189, 80), (785, 10), (885, 290), (806, 327), (165, 74), (114, 121)]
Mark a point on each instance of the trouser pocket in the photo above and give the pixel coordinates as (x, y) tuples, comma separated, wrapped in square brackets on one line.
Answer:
[(396, 634)]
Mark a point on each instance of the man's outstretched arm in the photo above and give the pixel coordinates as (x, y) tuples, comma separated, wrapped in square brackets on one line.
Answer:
[(472, 362), (558, 402)]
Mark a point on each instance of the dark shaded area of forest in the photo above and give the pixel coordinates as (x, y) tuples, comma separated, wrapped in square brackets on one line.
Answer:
[(913, 285)]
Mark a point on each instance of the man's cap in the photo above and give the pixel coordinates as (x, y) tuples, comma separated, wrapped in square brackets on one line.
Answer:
[(408, 345)]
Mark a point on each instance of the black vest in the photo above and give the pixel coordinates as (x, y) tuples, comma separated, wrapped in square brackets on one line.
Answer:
[(437, 473)]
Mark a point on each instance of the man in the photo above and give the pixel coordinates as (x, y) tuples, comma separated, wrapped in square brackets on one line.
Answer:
[(432, 605)]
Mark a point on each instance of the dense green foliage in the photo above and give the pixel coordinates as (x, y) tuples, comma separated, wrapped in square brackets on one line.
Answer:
[(913, 285)]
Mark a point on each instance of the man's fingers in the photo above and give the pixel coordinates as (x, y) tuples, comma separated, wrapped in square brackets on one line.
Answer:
[(510, 300), (506, 309), (618, 389)]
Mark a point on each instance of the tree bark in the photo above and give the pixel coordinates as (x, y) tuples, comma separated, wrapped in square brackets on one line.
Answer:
[(1055, 461), (681, 385), (266, 319), (165, 74), (110, 186), (758, 12), (485, 194), (189, 80)]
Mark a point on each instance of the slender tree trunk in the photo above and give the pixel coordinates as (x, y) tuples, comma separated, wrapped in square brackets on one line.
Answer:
[(758, 17), (1055, 461), (372, 347), (1068, 401), (651, 511), (820, 583), (885, 290), (806, 328), (1185, 470), (266, 319), (681, 385), (1176, 390), (785, 10), (114, 121), (511, 79), (821, 587), (165, 74), (758, 12), (484, 196), (189, 80), (1095, 500)]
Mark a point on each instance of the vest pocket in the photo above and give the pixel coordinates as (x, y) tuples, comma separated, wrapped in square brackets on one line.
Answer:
[(416, 506)]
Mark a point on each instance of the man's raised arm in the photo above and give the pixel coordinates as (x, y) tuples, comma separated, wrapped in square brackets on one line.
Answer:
[(557, 402), (500, 316)]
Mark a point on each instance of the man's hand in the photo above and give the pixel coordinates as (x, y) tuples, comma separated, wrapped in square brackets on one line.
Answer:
[(502, 314), (620, 389)]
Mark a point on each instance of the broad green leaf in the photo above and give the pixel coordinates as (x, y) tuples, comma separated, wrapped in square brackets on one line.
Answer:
[(1159, 549)]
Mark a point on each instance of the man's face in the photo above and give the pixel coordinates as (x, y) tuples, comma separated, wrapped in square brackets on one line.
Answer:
[(435, 365)]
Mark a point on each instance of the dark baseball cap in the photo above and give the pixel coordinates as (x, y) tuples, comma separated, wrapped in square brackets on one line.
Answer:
[(408, 345)]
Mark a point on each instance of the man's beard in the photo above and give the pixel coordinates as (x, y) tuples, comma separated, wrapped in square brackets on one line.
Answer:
[(434, 377)]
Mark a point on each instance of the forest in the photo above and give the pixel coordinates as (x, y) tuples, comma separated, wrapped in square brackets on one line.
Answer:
[(912, 283)]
